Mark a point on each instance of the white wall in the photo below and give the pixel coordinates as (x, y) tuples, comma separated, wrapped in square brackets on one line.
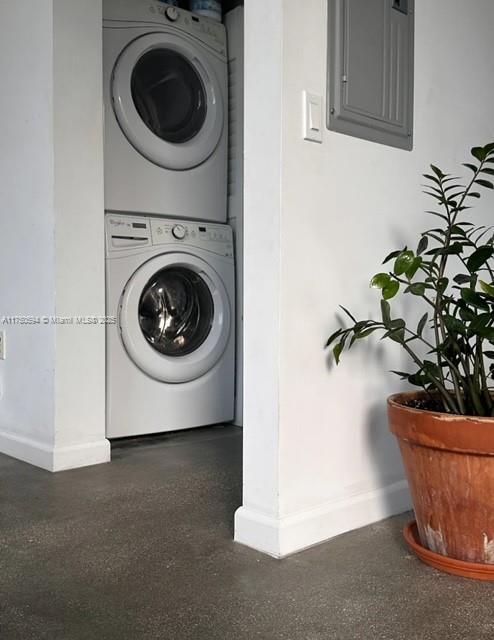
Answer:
[(344, 205), (27, 220), (262, 264), (79, 230), (52, 406)]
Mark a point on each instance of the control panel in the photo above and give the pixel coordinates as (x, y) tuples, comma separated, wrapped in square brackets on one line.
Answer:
[(205, 28), (128, 232), (209, 32), (210, 237), (124, 232)]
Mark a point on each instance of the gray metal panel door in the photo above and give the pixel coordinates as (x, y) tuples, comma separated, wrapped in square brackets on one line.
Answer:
[(364, 56), (370, 70)]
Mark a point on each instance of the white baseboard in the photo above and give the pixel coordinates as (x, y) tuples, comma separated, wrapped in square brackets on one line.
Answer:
[(82, 455), (280, 537), (54, 458), (27, 450), (258, 531)]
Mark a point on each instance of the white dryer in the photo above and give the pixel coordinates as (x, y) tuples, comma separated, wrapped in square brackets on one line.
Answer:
[(165, 93), (171, 351)]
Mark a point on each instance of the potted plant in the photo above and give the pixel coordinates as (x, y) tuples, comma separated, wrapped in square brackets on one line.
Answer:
[(446, 429)]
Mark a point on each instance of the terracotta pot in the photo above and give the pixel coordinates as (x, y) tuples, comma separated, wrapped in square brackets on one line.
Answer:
[(449, 462)]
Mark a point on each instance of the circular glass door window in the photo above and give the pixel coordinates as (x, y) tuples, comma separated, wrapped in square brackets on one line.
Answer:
[(176, 311), (169, 95)]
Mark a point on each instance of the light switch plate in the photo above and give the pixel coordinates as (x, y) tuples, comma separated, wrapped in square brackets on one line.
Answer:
[(312, 118)]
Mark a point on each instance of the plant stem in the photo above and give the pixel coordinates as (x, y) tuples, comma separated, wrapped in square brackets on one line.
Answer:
[(439, 327), (483, 377), (407, 282), (448, 403)]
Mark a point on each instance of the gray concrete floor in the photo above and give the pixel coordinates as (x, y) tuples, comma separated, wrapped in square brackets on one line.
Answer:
[(142, 549)]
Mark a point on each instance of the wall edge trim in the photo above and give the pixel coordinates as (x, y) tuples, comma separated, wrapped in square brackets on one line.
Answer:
[(53, 458), (286, 535)]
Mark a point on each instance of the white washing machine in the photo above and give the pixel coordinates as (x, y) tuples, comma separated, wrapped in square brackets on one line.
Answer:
[(171, 351), (165, 93)]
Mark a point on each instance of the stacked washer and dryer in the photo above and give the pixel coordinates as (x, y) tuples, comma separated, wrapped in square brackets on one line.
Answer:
[(169, 253)]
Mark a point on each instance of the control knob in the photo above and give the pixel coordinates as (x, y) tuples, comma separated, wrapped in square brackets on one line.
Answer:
[(179, 231), (172, 14)]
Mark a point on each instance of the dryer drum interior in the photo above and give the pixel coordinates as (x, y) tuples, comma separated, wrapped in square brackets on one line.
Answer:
[(169, 95), (176, 311)]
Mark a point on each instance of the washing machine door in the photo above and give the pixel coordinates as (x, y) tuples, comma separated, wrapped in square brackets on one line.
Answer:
[(167, 100), (175, 317)]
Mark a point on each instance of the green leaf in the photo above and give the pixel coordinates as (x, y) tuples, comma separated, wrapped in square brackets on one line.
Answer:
[(392, 255), (437, 197), (489, 354), (442, 285), (435, 192), (333, 336), (451, 187), (348, 313), (487, 333), (462, 278), (422, 323), (479, 153), (458, 231), (431, 368), (456, 248), (423, 244), (337, 352), (386, 312), (472, 167), (398, 323), (438, 172), (480, 322), (467, 315), (439, 215), (403, 262), (418, 379), (474, 299), (484, 183), (453, 325), (434, 179), (479, 257), (391, 290), (380, 281), (367, 332), (488, 289), (414, 267), (417, 289), (360, 326), (433, 233), (403, 375), (397, 335)]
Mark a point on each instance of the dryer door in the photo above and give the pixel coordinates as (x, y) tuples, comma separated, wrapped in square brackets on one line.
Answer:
[(175, 317), (167, 100)]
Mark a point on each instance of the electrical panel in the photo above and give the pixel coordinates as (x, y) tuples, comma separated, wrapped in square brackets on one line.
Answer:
[(370, 70)]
